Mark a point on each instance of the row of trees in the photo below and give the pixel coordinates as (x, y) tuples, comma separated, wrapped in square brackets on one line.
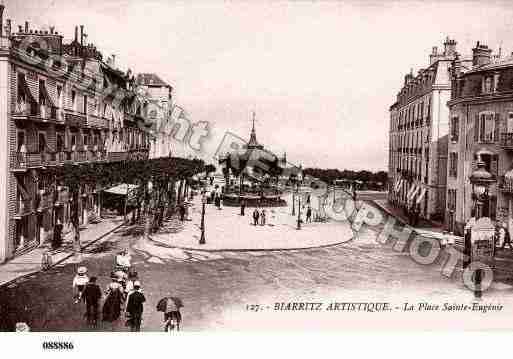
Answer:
[(156, 180), (329, 175)]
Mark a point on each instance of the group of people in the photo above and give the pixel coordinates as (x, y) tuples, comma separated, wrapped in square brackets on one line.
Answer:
[(123, 293), (259, 217)]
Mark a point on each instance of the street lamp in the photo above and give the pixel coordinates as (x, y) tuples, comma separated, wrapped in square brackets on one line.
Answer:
[(203, 202), (481, 180), (299, 203)]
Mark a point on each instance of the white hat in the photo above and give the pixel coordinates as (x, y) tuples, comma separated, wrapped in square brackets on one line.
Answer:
[(137, 283), (81, 270)]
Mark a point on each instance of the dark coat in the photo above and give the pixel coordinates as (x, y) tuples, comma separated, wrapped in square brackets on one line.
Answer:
[(135, 303), (92, 293), (112, 306)]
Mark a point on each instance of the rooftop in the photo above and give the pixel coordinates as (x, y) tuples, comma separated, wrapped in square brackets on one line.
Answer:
[(151, 79)]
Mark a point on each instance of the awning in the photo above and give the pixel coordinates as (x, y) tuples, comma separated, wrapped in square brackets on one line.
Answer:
[(24, 88), (413, 191), (398, 185), (122, 189), (46, 95), (422, 194)]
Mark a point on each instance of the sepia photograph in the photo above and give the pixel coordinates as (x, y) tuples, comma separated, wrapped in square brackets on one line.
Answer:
[(253, 166)]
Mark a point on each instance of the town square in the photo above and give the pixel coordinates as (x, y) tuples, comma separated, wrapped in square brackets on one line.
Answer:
[(239, 166)]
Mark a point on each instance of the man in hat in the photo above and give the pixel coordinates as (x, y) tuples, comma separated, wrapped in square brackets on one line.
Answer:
[(92, 294), (135, 307), (79, 282)]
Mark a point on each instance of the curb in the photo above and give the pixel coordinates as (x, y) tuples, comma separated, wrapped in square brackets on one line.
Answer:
[(65, 258), (255, 249)]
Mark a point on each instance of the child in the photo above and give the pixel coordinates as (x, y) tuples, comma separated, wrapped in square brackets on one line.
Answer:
[(79, 283)]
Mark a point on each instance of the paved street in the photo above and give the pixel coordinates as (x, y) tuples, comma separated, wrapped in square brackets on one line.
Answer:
[(217, 287)]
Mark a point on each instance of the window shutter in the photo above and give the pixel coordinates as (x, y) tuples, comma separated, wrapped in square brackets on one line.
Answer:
[(476, 128), (457, 125), (497, 127)]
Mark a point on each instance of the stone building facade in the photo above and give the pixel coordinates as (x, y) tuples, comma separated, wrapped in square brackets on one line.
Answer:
[(418, 137), (60, 103), (481, 127)]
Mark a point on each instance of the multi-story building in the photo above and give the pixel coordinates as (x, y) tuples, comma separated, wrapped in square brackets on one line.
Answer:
[(481, 129), (159, 94), (418, 137), (58, 106)]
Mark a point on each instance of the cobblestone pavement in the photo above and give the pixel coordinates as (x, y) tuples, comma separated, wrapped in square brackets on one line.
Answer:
[(218, 288)]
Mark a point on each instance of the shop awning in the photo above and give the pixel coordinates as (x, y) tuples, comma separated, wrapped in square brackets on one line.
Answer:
[(412, 190), (422, 194), (123, 189)]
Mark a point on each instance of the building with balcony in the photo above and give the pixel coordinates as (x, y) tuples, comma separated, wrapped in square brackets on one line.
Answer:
[(481, 127), (60, 103), (418, 137)]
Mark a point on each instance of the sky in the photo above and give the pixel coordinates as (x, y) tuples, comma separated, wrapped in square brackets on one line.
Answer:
[(320, 76)]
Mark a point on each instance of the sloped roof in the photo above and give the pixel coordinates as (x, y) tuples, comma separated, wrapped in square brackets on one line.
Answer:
[(150, 79)]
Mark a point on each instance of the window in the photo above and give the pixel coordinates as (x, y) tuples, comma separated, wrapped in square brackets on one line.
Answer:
[(86, 139), (455, 129), (42, 100), (73, 140), (509, 123), (41, 142), (487, 84), (73, 100), (453, 164), (85, 105), (60, 142), (59, 95), (486, 127), (451, 199), (20, 139)]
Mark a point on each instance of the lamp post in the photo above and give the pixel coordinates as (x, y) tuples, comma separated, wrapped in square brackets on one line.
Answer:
[(203, 202), (481, 180), (299, 203)]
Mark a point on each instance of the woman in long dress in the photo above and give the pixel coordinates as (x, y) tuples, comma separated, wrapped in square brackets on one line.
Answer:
[(113, 302)]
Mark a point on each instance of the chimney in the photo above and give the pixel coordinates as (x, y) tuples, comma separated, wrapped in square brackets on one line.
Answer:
[(2, 8), (82, 35), (76, 33), (449, 47), (434, 55), (52, 28), (26, 26), (8, 27), (481, 55)]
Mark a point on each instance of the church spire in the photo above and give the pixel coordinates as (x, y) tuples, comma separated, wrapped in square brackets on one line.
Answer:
[(253, 143)]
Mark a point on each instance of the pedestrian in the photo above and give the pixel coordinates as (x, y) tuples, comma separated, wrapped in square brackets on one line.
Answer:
[(256, 214), (242, 207), (182, 212), (129, 286), (113, 301), (79, 282), (135, 307), (262, 217), (504, 233), (309, 214), (171, 307), (92, 294)]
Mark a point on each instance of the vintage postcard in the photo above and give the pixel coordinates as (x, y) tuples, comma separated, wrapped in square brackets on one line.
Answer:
[(251, 166)]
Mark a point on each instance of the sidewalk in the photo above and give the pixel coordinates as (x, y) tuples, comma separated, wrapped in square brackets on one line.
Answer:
[(30, 262), (227, 230)]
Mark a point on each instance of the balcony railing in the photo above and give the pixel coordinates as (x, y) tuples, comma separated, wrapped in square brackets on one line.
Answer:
[(507, 140), (97, 122), (23, 207), (25, 109), (80, 156), (506, 184)]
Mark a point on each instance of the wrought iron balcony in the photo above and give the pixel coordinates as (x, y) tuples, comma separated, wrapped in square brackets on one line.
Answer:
[(507, 140)]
